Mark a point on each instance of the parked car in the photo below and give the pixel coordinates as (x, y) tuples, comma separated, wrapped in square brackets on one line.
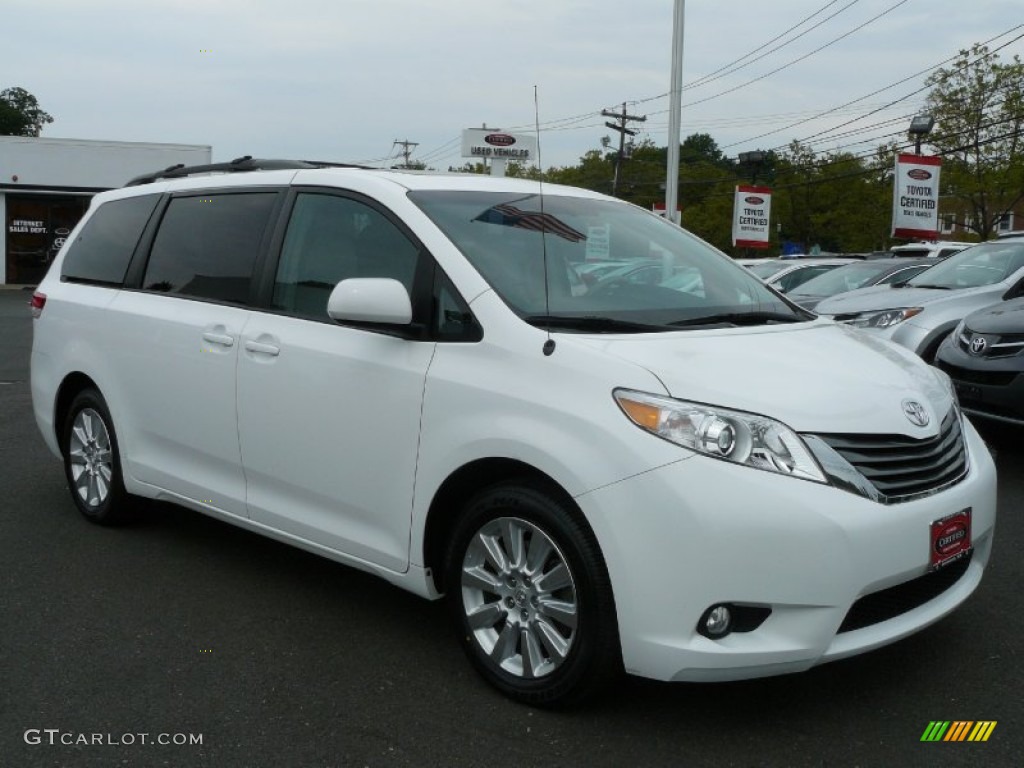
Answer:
[(592, 271), (850, 277), (935, 250), (799, 273), (785, 275), (920, 313), (985, 358), (395, 370)]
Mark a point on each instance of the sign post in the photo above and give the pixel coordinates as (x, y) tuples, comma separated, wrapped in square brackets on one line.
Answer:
[(750, 217), (915, 197)]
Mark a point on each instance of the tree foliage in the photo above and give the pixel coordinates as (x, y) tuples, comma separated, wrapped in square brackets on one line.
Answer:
[(20, 113), (978, 105)]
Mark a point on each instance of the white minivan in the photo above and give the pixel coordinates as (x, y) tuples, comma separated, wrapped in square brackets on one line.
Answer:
[(686, 480)]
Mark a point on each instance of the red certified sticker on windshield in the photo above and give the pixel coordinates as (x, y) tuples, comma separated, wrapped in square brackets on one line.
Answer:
[(950, 538)]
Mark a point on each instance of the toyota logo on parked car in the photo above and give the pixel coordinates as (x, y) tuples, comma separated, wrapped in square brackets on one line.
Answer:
[(978, 345), (915, 413)]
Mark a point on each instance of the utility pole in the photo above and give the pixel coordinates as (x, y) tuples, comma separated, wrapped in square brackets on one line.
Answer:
[(407, 148), (623, 130)]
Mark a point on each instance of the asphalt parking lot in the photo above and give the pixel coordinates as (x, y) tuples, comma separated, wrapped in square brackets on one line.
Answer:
[(181, 626)]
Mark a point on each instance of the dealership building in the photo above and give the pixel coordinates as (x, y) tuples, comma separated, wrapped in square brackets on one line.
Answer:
[(46, 185)]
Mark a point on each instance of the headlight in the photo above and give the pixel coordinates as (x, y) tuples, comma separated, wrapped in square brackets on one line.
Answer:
[(742, 438), (886, 318)]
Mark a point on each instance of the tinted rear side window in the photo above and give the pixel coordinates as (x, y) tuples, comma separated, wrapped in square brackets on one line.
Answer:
[(104, 247), (206, 246)]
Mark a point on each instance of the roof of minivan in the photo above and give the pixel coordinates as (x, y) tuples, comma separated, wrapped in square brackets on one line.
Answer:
[(411, 180), (420, 180)]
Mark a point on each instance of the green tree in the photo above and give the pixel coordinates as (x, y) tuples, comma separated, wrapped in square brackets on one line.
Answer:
[(20, 113), (978, 105), (838, 201)]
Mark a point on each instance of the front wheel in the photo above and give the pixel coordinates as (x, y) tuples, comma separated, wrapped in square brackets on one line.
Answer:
[(530, 597), (91, 461)]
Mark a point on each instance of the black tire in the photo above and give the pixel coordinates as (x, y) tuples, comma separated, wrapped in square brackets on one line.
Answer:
[(518, 617), (92, 462)]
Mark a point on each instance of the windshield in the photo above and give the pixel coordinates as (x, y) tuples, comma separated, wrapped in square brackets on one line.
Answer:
[(983, 264), (611, 267), (843, 279)]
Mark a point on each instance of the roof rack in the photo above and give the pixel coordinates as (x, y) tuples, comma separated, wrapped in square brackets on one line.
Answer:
[(239, 164)]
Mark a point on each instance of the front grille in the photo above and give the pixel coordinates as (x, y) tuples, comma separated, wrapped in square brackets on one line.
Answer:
[(901, 467), (993, 346), (895, 601), (986, 378)]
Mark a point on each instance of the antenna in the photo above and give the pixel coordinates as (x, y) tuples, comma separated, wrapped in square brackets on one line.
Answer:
[(549, 345)]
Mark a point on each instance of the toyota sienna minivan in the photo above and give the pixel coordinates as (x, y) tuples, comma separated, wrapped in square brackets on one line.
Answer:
[(690, 480)]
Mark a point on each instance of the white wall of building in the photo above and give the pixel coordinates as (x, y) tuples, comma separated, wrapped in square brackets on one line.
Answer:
[(35, 162), (34, 170)]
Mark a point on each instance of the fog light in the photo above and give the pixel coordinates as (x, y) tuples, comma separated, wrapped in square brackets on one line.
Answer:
[(716, 622)]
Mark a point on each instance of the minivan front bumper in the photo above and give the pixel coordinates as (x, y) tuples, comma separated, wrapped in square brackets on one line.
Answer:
[(701, 532)]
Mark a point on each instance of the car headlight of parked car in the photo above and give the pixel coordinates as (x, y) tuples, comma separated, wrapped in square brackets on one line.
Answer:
[(886, 318), (742, 438)]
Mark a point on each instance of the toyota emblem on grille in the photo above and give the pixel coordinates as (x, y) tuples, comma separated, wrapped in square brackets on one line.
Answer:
[(915, 413), (978, 344)]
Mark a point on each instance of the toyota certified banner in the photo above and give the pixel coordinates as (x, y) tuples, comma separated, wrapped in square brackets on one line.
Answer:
[(750, 216), (915, 199)]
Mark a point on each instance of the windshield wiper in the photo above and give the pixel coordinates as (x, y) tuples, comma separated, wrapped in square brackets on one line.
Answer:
[(592, 323), (923, 285), (741, 318)]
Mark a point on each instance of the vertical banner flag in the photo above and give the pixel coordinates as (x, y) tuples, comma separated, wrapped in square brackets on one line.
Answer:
[(915, 198), (750, 216)]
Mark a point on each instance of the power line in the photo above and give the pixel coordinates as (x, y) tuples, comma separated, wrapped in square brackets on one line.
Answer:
[(721, 71), (880, 90), (798, 59), (588, 115)]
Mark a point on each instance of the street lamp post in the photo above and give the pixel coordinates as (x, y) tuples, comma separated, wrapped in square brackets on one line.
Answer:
[(674, 116), (920, 127), (753, 160)]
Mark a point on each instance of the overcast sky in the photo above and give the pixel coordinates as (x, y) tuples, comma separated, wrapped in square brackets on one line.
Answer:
[(343, 79)]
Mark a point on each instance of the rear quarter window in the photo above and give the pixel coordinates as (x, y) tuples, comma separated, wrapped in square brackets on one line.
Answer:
[(104, 247)]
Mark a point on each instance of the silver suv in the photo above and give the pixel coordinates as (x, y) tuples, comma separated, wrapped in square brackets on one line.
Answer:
[(920, 313)]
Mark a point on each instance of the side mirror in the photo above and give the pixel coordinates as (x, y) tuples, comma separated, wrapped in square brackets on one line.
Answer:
[(375, 300)]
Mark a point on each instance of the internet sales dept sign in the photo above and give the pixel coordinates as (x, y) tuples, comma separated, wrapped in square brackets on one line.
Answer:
[(750, 215), (915, 199)]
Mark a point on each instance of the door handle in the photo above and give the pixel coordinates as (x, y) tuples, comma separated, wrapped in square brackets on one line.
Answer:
[(261, 348), (219, 338)]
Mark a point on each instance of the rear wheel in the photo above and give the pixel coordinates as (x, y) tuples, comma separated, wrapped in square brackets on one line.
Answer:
[(530, 597), (91, 461)]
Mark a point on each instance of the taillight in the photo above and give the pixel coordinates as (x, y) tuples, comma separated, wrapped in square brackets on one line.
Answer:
[(37, 303)]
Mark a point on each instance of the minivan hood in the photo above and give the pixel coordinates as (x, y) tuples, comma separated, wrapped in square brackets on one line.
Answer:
[(1005, 317), (879, 297), (818, 377)]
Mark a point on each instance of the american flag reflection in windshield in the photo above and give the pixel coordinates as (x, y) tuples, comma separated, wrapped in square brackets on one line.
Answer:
[(508, 215)]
